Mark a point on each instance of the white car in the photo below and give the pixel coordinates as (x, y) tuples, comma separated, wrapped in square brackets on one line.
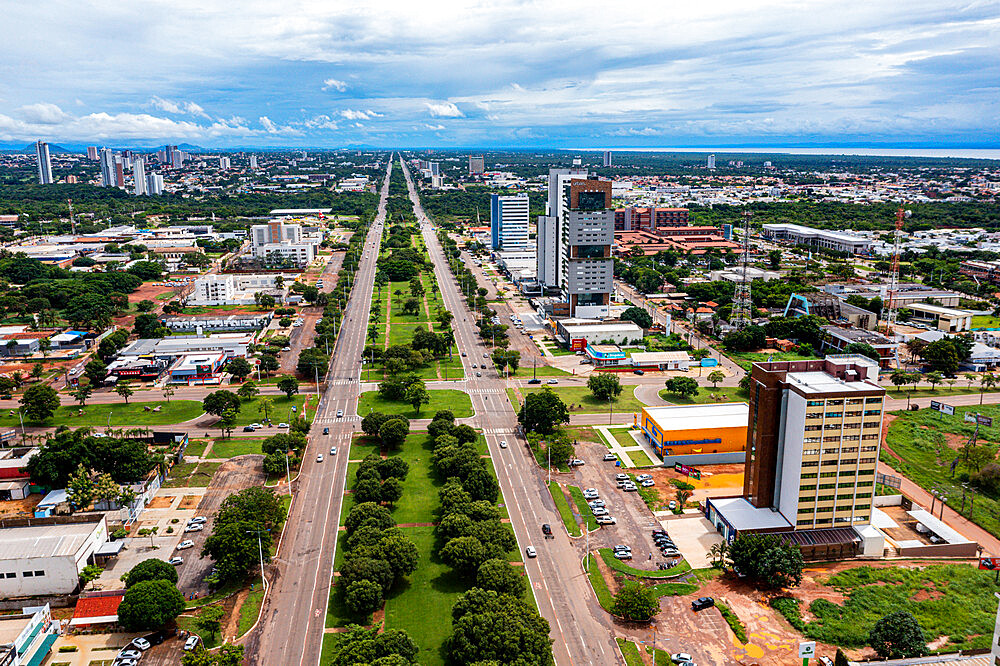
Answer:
[(681, 656), (184, 545), (599, 511), (643, 477), (192, 642), (197, 520), (282, 425), (530, 551), (319, 458), (646, 483), (194, 528), (503, 444), (140, 643), (333, 450), (552, 381), (672, 505), (176, 561), (596, 502), (286, 349), (605, 520), (256, 426)]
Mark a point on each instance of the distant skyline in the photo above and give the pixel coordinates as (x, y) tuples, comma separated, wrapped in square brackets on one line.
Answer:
[(503, 74)]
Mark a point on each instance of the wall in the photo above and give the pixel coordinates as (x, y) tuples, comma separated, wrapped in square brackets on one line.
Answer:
[(61, 576)]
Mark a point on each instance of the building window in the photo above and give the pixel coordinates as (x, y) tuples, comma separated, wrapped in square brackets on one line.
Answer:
[(834, 415), (804, 522), (865, 461), (828, 475), (847, 497), (874, 401), (834, 402), (865, 484), (831, 451), (809, 475), (865, 472), (825, 509), (805, 510), (10, 574), (824, 498), (855, 401), (852, 415), (832, 426), (807, 487), (27, 574), (810, 440), (39, 573), (875, 436), (814, 415), (809, 428), (869, 448), (814, 403), (811, 463), (826, 486), (849, 449), (810, 452)]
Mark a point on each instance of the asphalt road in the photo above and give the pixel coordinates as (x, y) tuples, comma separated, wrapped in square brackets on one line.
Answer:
[(291, 629), (579, 628)]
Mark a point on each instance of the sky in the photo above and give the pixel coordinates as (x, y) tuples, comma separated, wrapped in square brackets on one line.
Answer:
[(502, 73)]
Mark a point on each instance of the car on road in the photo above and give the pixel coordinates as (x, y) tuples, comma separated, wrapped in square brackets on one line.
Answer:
[(646, 483), (546, 528), (486, 355), (340, 413), (530, 551), (610, 456), (192, 642), (140, 643), (479, 374), (503, 444), (282, 425), (198, 527), (552, 381), (184, 545), (326, 431), (463, 354), (701, 603), (681, 656), (176, 561), (248, 428), (286, 349), (604, 520), (482, 365), (534, 381), (256, 426), (638, 371)]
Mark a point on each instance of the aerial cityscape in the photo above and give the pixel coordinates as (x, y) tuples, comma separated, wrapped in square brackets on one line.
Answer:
[(500, 334)]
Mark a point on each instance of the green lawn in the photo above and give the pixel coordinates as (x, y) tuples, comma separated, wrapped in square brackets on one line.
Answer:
[(706, 395), (958, 602), (583, 507), (251, 608), (402, 333), (196, 447), (746, 359), (923, 455), (673, 589), (630, 651), (597, 582), (235, 446), (985, 321), (640, 459), (419, 489), (618, 565), (457, 401), (581, 400), (564, 511), (251, 412), (122, 415)]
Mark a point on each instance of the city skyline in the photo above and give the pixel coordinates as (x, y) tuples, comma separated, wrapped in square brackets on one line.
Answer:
[(389, 75)]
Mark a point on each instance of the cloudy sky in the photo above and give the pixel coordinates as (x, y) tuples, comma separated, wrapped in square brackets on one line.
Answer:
[(502, 73)]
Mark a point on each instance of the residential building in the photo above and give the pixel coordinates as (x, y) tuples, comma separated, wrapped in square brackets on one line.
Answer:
[(607, 158), (154, 183), (139, 176), (236, 289), (796, 234), (107, 167), (278, 242), (253, 162), (509, 221), (44, 559), (477, 165), (91, 152), (548, 236), (711, 162), (119, 171), (26, 638), (225, 163), (44, 163)]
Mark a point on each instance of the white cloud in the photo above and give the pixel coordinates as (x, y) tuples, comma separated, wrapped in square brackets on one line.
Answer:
[(434, 127), (268, 125), (43, 114), (181, 107), (352, 114), (335, 84), (444, 110)]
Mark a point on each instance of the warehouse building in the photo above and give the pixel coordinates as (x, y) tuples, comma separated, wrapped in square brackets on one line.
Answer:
[(709, 434), (578, 333), (42, 559)]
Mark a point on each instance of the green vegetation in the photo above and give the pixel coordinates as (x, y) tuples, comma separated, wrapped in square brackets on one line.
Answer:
[(708, 395), (739, 629), (250, 608), (564, 511), (456, 401), (673, 589), (682, 568), (122, 415), (604, 596), (581, 505), (630, 651), (229, 448), (579, 399), (985, 321), (640, 458)]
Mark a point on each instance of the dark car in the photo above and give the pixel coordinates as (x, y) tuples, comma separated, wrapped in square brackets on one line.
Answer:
[(546, 529), (534, 381), (249, 429), (638, 371), (702, 603), (326, 431)]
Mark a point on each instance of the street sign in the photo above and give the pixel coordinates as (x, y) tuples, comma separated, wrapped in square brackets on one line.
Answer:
[(807, 649), (984, 420)]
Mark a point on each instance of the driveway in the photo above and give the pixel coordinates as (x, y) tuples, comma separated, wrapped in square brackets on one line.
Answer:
[(694, 536)]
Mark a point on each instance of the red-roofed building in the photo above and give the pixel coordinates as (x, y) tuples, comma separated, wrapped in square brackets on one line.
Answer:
[(97, 608)]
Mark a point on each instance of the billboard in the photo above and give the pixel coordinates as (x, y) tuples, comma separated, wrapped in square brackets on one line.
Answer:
[(943, 408), (989, 563), (578, 344), (984, 420), (687, 470)]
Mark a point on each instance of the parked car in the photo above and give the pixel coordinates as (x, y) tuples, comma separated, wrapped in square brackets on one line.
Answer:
[(681, 656), (184, 545), (590, 493), (140, 643), (646, 483), (604, 520), (129, 653), (194, 528), (596, 502), (530, 551), (599, 511), (702, 603), (286, 349), (176, 561), (197, 520), (621, 477), (192, 642), (621, 546), (479, 374), (576, 462), (610, 456), (630, 488), (669, 552), (672, 505), (623, 555), (552, 381), (643, 477)]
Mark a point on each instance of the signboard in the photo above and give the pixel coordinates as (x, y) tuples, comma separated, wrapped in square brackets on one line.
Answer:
[(578, 344), (687, 471), (807, 650), (984, 420), (970, 417), (989, 563), (943, 408)]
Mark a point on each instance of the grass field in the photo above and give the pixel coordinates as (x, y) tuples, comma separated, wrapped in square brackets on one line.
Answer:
[(251, 608), (630, 651), (707, 395), (235, 446), (457, 401), (580, 400), (122, 415), (956, 600), (746, 359), (583, 508), (618, 565), (597, 582), (564, 511), (985, 321), (251, 412), (640, 458)]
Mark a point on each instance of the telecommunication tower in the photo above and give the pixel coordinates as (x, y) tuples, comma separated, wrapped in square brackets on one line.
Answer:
[(893, 304), (742, 304), (72, 222)]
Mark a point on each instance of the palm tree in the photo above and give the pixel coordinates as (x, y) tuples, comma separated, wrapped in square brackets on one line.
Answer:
[(987, 380), (971, 378)]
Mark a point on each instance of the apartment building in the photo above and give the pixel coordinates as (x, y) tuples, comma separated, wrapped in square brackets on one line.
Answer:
[(509, 221), (280, 242), (813, 442), (477, 165), (239, 289)]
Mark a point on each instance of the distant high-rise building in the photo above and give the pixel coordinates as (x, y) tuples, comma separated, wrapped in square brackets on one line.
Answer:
[(303, 154), (435, 168), (173, 157), (577, 161), (72, 180), (508, 221), (253, 162), (154, 183), (711, 161), (91, 152), (477, 165), (44, 163), (607, 158), (107, 158), (119, 171), (224, 163), (139, 176)]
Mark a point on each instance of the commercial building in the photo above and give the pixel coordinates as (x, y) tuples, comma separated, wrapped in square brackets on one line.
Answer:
[(606, 356), (813, 442), (235, 289), (607, 158), (837, 338), (829, 307), (697, 430), (47, 559), (107, 159), (982, 270), (508, 221), (279, 242), (686, 240), (26, 638), (222, 322), (197, 369), (796, 234), (233, 344), (44, 163), (662, 360), (477, 165), (578, 333), (139, 176), (944, 319), (905, 293), (649, 218)]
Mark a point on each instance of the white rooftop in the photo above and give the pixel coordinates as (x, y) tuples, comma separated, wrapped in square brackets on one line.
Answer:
[(939, 310), (743, 515), (692, 417), (821, 382), (44, 541), (654, 357), (936, 526)]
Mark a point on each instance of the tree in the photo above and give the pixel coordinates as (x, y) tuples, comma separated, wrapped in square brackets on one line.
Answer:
[(491, 628), (268, 363), (363, 596), (715, 377), (124, 389), (390, 491), (898, 635), (145, 305), (89, 573), (498, 575), (254, 504), (227, 421), (899, 378), (209, 620), (218, 402), (986, 381), (635, 602), (82, 393), (416, 395), (95, 371), (638, 316), (228, 655), (265, 406), (313, 361), (363, 645), (288, 385), (393, 433), (150, 569), (40, 401), (372, 422), (148, 326), (766, 561), (685, 387), (934, 378), (247, 391), (840, 659), (943, 355), (106, 489), (368, 513), (37, 369), (862, 349), (80, 489), (774, 259), (542, 411), (239, 368), (234, 548), (464, 554), (604, 386), (149, 605), (411, 307)]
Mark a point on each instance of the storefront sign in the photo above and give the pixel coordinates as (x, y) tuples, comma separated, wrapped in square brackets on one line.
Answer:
[(687, 471)]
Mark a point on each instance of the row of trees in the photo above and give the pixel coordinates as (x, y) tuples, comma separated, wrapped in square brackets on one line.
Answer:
[(243, 518)]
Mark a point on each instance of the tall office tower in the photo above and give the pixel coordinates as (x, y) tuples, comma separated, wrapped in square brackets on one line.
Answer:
[(813, 440), (44, 163), (154, 183), (548, 235), (139, 176), (119, 171), (711, 161), (435, 168), (161, 156), (587, 234), (224, 163), (607, 158), (508, 221), (91, 152), (107, 158), (477, 164), (253, 162)]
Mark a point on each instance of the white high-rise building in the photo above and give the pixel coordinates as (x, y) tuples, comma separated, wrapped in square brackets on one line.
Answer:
[(711, 161), (509, 221), (154, 183), (91, 152), (107, 158), (253, 162), (277, 239), (224, 163), (139, 175), (607, 158), (44, 163)]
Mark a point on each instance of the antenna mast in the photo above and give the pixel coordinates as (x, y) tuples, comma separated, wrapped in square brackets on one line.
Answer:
[(893, 305), (72, 222), (742, 303)]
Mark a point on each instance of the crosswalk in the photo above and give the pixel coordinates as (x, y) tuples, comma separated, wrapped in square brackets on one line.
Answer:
[(333, 419), (498, 431), (481, 391)]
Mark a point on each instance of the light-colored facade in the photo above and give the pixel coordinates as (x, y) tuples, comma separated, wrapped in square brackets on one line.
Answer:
[(47, 559), (107, 159), (154, 183), (477, 165), (217, 289), (279, 240), (797, 234), (139, 176), (509, 221), (253, 162), (944, 319), (44, 163)]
